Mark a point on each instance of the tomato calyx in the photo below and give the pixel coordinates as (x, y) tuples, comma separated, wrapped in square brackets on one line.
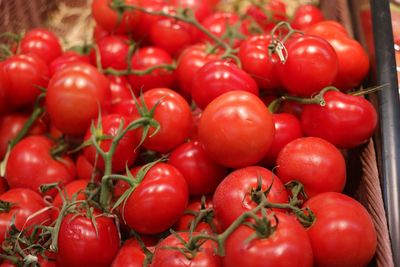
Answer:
[(263, 227), (298, 195), (5, 206), (204, 214)]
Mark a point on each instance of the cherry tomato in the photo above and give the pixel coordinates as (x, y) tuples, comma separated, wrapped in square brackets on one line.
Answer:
[(65, 59), (30, 165), (287, 246), (129, 255), (201, 174), (343, 233), (84, 169), (327, 29), (346, 121), (306, 16), (236, 129), (158, 201), (311, 65), (267, 16), (113, 52), (201, 9), (81, 244), (314, 162), (120, 89), (236, 188), (99, 32), (74, 96)]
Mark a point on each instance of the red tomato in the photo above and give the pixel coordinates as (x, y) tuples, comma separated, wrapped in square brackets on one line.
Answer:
[(218, 77), (311, 65), (125, 153), (19, 77), (287, 246), (343, 233), (31, 165), (201, 8), (166, 257), (314, 162), (108, 19), (346, 121), (236, 129), (129, 255), (74, 96), (65, 59), (175, 118), (306, 16), (113, 52), (236, 187), (126, 107), (201, 173), (41, 42), (25, 203), (99, 32), (271, 13), (148, 57), (81, 244), (84, 169), (287, 129), (327, 29), (257, 62), (158, 201), (120, 89)]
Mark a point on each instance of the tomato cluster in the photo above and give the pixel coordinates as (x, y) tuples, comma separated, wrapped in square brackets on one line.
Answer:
[(185, 136)]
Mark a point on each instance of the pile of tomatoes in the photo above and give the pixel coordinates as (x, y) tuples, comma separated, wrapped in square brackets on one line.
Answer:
[(184, 136)]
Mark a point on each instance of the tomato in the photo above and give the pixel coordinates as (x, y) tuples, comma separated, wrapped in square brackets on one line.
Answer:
[(113, 52), (218, 77), (166, 257), (272, 12), (42, 43), (257, 62), (120, 89), (175, 118), (126, 107), (125, 153), (31, 165), (314, 162), (84, 169), (306, 16), (327, 29), (108, 19), (158, 201), (236, 129), (343, 233), (99, 32), (129, 255), (19, 77), (287, 128), (147, 57), (287, 246), (42, 262), (190, 61), (236, 188), (65, 59), (201, 174), (311, 65), (25, 203), (346, 121), (81, 244), (201, 9), (74, 96)]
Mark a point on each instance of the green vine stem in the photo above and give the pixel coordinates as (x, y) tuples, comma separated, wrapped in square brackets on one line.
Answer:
[(168, 67)]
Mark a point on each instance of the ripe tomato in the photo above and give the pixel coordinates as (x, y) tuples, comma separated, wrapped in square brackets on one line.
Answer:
[(314, 162), (65, 59), (267, 16), (311, 65), (327, 29), (84, 169), (306, 16), (343, 233), (257, 62), (113, 52), (31, 165), (166, 257), (201, 173), (120, 89), (74, 96), (19, 77), (42, 43), (236, 129), (25, 203), (81, 244), (236, 188), (287, 246), (158, 201), (201, 9), (129, 255), (346, 121)]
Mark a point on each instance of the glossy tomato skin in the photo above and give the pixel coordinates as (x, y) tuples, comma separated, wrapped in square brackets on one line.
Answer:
[(201, 173), (314, 162), (80, 246), (19, 77), (327, 29), (287, 129), (257, 62), (129, 255), (31, 165), (43, 43), (311, 65), (306, 16), (343, 233), (65, 59), (113, 51), (288, 246), (158, 202), (346, 121), (205, 256), (235, 190), (276, 8), (25, 203), (175, 118), (236, 129), (147, 57), (201, 9), (120, 89), (84, 169), (74, 96)]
